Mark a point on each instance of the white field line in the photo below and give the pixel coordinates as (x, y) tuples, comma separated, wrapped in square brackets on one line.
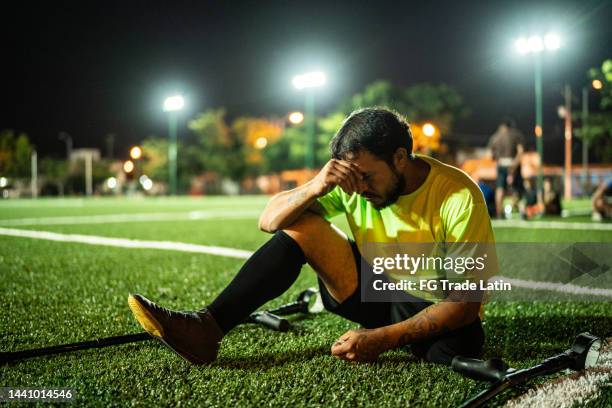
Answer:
[(587, 226), (242, 254), (140, 201), (207, 214), (570, 390), (127, 243), (140, 217), (555, 287)]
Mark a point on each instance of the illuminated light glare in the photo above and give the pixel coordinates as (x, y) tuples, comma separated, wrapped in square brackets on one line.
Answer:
[(296, 117), (522, 46), (128, 166), (147, 184), (309, 80), (174, 103), (3, 182), (597, 84), (552, 41), (261, 142), (535, 43), (143, 178), (429, 130), (111, 182), (538, 130), (135, 152)]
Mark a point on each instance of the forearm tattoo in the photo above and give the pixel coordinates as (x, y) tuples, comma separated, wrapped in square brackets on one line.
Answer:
[(421, 326), (296, 197), (435, 320)]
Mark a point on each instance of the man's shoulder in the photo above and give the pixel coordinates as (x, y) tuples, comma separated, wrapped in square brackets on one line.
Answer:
[(448, 173), (452, 182)]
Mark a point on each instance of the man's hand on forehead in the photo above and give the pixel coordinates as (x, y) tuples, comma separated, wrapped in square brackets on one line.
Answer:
[(337, 172), (352, 176)]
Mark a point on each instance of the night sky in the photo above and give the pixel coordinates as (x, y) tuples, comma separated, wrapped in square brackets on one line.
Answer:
[(104, 67)]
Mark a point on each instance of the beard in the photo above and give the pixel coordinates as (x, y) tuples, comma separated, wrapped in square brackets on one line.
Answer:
[(393, 193)]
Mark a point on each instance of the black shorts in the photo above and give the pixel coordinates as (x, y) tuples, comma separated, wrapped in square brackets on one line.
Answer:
[(517, 179), (466, 341)]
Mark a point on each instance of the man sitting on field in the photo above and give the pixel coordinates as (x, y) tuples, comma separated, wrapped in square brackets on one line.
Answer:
[(388, 195)]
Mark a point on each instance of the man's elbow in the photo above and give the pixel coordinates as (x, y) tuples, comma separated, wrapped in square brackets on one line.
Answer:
[(467, 305), (266, 226)]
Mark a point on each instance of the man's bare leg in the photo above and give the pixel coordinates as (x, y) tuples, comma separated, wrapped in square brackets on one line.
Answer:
[(499, 199), (328, 252)]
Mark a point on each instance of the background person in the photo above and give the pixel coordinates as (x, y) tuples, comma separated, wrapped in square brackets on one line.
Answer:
[(551, 198), (531, 206), (602, 201), (506, 146)]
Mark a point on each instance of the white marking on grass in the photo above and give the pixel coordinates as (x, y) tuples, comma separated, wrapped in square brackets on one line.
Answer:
[(570, 390), (137, 200), (140, 217), (555, 287), (127, 243), (242, 254), (588, 226)]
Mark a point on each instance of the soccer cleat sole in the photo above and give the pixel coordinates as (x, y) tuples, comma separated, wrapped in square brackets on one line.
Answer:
[(144, 318)]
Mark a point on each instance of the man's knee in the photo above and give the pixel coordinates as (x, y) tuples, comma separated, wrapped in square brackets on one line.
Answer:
[(307, 223), (328, 252), (311, 230)]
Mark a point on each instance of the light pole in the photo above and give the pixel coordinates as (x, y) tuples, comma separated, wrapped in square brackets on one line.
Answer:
[(172, 105), (308, 82), (535, 45), (596, 84), (68, 139)]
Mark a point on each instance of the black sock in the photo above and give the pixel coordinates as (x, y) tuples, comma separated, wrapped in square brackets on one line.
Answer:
[(267, 274)]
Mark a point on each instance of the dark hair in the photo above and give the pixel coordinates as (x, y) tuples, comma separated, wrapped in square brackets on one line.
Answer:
[(508, 121), (380, 131)]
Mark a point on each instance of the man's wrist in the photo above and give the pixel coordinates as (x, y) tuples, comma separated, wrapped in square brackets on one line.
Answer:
[(312, 190), (389, 336)]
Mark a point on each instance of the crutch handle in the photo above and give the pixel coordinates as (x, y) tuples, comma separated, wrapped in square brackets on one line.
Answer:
[(493, 369), (270, 320)]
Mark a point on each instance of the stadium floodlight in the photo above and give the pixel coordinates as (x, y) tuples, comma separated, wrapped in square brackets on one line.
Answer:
[(313, 79), (552, 41), (174, 103), (296, 117), (536, 45), (522, 46), (136, 152), (308, 82)]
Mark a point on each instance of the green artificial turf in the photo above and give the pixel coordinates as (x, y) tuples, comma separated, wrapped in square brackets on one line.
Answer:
[(54, 293)]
